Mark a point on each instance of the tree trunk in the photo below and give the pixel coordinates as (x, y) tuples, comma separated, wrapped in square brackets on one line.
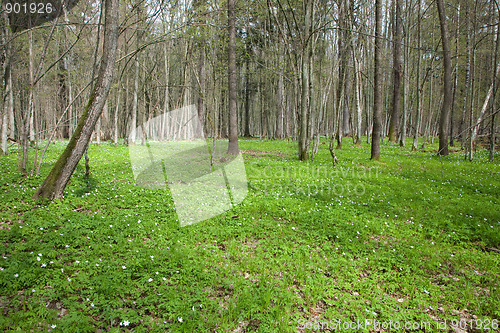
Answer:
[(201, 96), (31, 108), (304, 103), (455, 80), (493, 111), (135, 102), (445, 111), (377, 90), (489, 95), (462, 128), (359, 103), (246, 130), (115, 116), (54, 184), (7, 82), (419, 90), (280, 95), (396, 93), (232, 84)]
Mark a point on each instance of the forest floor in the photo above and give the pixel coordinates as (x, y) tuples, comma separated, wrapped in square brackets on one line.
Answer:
[(403, 241)]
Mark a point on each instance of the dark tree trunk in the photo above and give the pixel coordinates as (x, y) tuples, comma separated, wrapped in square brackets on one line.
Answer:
[(493, 111), (232, 89), (455, 80), (396, 94), (377, 80), (305, 73), (445, 110), (54, 184), (201, 69), (62, 97), (247, 96)]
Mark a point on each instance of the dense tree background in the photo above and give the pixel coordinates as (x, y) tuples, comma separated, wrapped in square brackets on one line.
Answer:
[(303, 69)]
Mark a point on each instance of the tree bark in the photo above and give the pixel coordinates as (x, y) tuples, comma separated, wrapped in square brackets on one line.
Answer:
[(7, 82), (247, 96), (396, 93), (304, 103), (491, 91), (419, 90), (445, 110), (232, 88), (56, 181), (455, 80), (493, 112), (377, 90), (135, 102)]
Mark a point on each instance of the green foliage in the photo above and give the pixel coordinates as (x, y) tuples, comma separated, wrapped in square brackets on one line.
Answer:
[(404, 239)]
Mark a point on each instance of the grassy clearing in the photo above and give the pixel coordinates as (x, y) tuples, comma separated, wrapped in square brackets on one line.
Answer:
[(404, 239)]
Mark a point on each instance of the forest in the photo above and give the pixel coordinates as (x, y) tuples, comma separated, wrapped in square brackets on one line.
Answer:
[(355, 142)]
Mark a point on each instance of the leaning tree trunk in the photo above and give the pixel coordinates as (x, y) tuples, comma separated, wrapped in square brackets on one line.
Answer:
[(377, 85), (491, 91), (232, 89), (445, 110), (54, 184)]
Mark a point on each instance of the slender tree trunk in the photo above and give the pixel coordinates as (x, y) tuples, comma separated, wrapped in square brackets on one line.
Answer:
[(280, 95), (31, 108), (304, 103), (115, 116), (493, 111), (489, 95), (406, 83), (201, 96), (166, 102), (419, 89), (359, 101), (7, 81), (462, 128), (54, 184), (377, 78), (455, 81), (135, 103), (246, 130), (396, 93), (445, 111), (232, 83), (470, 147)]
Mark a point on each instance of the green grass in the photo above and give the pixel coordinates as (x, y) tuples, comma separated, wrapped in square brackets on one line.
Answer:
[(406, 239)]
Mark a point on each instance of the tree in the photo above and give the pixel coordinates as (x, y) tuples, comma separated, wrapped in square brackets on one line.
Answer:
[(377, 84), (396, 94), (304, 139), (54, 184), (445, 108), (232, 83), (7, 82)]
